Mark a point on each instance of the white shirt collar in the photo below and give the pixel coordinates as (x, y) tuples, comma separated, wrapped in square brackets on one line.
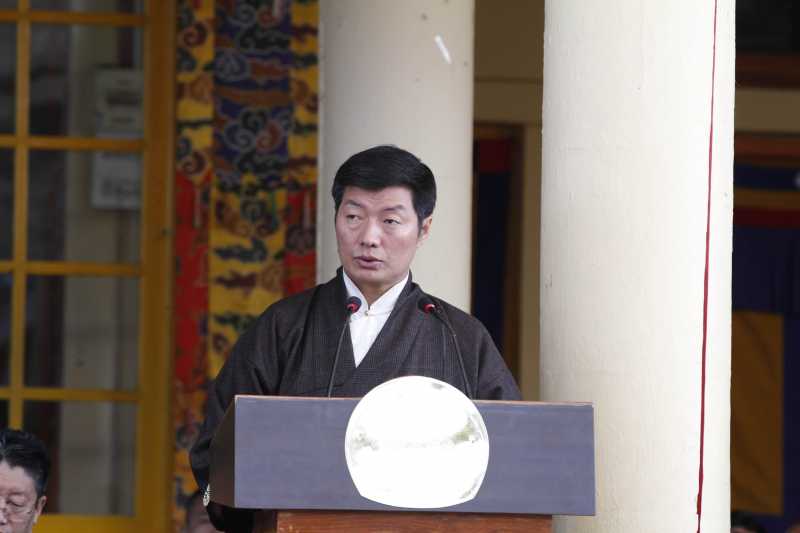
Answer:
[(382, 305)]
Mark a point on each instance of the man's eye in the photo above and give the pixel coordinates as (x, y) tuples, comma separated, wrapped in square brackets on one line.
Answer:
[(351, 217), (391, 221)]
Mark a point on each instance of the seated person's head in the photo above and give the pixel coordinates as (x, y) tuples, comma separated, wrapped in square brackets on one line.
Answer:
[(24, 467)]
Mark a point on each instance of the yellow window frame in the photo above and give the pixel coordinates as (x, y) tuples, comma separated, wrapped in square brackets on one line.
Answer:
[(154, 440)]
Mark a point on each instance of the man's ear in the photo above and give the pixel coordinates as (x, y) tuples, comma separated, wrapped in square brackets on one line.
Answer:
[(424, 230), (39, 508)]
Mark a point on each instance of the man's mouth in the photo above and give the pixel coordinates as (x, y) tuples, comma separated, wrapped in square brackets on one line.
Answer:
[(366, 261)]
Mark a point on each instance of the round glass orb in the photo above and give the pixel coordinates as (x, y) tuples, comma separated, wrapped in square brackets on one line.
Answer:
[(416, 442)]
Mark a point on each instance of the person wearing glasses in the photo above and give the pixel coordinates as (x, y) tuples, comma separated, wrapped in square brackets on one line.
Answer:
[(24, 467)]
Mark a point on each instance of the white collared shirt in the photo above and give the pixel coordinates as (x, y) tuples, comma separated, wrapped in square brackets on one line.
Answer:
[(367, 322)]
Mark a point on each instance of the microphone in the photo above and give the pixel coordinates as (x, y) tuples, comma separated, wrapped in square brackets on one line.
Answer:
[(427, 306), (352, 305)]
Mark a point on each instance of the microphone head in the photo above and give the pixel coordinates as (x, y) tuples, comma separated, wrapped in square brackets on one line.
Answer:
[(353, 304), (426, 305)]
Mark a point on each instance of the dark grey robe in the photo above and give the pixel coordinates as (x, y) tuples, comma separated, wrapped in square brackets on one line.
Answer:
[(289, 351)]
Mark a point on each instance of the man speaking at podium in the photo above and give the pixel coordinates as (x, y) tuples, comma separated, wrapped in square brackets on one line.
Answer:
[(371, 322)]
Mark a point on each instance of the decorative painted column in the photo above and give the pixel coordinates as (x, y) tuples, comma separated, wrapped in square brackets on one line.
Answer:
[(401, 73), (632, 179)]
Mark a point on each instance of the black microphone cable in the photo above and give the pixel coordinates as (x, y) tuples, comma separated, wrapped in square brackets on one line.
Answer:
[(427, 306), (352, 305)]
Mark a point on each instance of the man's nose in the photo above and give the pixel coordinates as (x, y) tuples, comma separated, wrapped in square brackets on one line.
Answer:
[(371, 234)]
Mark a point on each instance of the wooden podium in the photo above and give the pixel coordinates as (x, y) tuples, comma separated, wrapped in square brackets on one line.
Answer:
[(287, 454)]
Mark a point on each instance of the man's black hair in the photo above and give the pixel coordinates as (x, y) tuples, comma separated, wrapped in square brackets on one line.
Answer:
[(24, 450), (388, 166)]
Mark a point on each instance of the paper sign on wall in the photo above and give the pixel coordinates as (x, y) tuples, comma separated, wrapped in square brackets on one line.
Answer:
[(116, 177)]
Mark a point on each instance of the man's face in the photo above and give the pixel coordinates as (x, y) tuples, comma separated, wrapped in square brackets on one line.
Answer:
[(19, 506), (378, 233)]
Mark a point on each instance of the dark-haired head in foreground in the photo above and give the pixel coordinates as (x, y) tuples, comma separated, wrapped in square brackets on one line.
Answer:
[(24, 468), (384, 199)]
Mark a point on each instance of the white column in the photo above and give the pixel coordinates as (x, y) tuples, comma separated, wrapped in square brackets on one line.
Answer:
[(401, 73), (626, 114)]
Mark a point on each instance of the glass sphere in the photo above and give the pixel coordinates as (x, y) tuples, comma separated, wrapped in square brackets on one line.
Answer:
[(416, 442)]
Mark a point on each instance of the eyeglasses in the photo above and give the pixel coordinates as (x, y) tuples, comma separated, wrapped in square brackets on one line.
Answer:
[(15, 512)]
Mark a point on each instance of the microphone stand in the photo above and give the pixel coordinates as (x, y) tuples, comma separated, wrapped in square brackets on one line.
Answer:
[(353, 304), (426, 305)]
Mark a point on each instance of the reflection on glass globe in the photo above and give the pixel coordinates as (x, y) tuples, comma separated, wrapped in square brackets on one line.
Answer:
[(416, 442)]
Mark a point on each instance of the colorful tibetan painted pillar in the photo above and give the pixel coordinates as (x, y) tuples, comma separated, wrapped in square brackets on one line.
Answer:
[(636, 215)]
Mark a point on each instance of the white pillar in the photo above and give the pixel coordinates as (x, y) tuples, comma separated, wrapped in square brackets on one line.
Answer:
[(401, 73), (626, 114)]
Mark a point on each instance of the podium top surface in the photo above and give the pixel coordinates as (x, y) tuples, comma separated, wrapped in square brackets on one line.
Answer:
[(289, 453)]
